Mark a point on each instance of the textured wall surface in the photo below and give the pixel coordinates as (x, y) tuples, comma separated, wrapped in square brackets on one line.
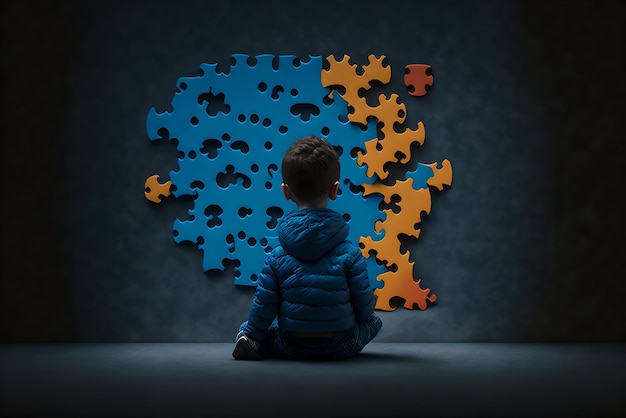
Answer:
[(525, 246)]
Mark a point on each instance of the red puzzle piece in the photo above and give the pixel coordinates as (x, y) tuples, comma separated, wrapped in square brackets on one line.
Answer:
[(416, 79)]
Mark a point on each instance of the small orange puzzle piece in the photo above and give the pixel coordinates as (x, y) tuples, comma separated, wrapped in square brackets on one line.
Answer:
[(416, 79), (154, 190)]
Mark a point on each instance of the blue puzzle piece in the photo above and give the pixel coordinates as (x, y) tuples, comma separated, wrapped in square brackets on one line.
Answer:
[(262, 116)]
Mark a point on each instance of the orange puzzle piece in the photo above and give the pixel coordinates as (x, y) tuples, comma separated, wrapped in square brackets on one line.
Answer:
[(391, 147), (154, 190)]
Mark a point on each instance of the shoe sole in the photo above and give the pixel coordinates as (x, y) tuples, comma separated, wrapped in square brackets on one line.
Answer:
[(244, 350)]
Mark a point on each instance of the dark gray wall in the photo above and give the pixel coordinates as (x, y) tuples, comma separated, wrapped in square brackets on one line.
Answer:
[(527, 104)]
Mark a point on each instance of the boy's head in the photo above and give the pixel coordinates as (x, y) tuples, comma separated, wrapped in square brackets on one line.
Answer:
[(310, 170)]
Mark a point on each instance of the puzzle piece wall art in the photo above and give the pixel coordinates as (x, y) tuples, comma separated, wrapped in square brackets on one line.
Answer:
[(232, 129)]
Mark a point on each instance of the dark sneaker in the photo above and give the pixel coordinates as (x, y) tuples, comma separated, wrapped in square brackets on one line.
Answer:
[(246, 349)]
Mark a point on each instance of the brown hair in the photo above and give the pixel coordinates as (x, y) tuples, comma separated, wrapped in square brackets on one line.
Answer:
[(309, 168)]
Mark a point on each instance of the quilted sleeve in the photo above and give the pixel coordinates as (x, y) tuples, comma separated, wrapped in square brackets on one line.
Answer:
[(361, 292), (264, 304)]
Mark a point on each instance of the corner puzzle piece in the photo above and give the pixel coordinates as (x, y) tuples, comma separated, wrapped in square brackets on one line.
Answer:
[(154, 190), (229, 159), (416, 79)]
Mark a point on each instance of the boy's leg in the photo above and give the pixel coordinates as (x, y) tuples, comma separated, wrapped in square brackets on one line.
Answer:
[(361, 335), (367, 330)]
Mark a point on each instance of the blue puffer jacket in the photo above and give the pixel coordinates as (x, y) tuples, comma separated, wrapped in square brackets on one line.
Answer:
[(315, 281)]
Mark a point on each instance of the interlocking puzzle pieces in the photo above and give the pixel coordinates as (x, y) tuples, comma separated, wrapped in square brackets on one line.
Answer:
[(392, 146), (414, 199), (417, 78), (228, 159)]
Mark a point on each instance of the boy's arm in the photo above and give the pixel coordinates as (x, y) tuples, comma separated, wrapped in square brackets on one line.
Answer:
[(264, 304), (361, 292)]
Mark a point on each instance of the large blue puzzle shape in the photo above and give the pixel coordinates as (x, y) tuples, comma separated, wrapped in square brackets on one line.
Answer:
[(229, 158)]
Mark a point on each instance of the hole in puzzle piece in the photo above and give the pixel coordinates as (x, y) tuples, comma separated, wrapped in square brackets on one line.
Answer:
[(270, 169), (380, 134), (254, 168), (304, 110), (163, 133), (338, 149), (215, 103), (210, 147), (252, 241), (399, 156), (395, 302), (294, 92), (241, 235), (262, 86), (240, 146), (355, 188), (283, 129), (354, 152), (268, 146), (326, 131), (197, 184), (244, 211), (254, 118), (276, 91), (229, 177), (194, 121), (372, 93), (392, 205), (266, 122), (265, 244), (275, 213), (213, 212), (347, 217)]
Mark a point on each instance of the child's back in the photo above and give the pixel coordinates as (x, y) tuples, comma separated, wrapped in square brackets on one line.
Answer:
[(313, 297)]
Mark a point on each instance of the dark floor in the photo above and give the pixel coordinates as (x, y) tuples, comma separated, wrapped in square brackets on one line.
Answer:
[(386, 380)]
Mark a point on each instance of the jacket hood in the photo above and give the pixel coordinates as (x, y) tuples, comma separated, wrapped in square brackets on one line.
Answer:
[(309, 234)]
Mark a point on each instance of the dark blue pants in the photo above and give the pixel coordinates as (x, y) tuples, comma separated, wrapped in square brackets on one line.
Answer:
[(283, 344)]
